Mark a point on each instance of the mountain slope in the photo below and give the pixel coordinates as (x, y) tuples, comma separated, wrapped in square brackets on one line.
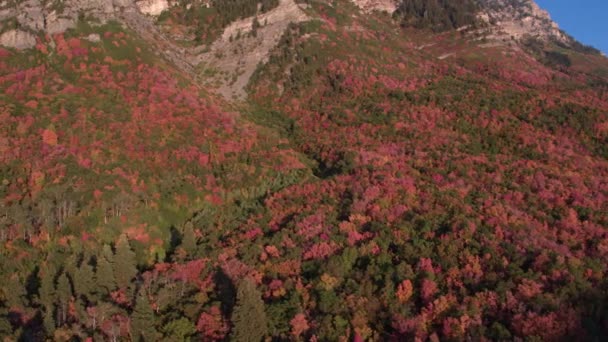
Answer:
[(376, 181)]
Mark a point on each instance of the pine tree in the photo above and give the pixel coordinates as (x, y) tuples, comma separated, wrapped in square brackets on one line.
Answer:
[(104, 271), (46, 294), (189, 240), (16, 289), (124, 263), (64, 295), (143, 320), (249, 318), (84, 280), (6, 328)]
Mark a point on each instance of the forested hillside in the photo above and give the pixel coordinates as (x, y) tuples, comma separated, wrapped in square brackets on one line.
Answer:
[(438, 15), (387, 178)]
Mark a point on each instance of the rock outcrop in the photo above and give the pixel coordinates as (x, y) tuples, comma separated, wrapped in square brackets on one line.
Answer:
[(153, 7), (56, 17), (520, 18), (18, 39), (389, 6), (234, 57)]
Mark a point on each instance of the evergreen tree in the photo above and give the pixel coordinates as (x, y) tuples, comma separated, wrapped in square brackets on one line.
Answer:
[(249, 318), (104, 271), (143, 320), (124, 263), (18, 294), (84, 280), (46, 294), (189, 240), (64, 295), (6, 328)]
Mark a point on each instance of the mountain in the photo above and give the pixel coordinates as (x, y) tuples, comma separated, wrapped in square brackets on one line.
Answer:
[(300, 170)]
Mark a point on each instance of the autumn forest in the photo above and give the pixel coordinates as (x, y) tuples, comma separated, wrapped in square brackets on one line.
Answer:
[(365, 190)]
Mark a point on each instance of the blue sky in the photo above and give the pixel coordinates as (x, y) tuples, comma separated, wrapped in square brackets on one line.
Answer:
[(585, 20)]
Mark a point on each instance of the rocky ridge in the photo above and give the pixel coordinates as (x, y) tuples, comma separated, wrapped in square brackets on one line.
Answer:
[(229, 62), (506, 18), (21, 21), (232, 60), (520, 19), (234, 57)]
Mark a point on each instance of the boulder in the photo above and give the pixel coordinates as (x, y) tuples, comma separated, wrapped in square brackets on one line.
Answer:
[(152, 7), (94, 38), (18, 39)]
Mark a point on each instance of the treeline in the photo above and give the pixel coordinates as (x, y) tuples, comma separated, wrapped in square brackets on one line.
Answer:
[(437, 15), (88, 291)]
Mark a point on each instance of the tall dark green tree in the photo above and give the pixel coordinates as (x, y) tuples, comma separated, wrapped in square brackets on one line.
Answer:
[(64, 295), (249, 316), (16, 287), (189, 240), (124, 264), (6, 328), (143, 320), (46, 294), (84, 279), (106, 282)]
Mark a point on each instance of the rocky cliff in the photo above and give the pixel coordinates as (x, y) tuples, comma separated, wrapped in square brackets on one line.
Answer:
[(229, 62), (506, 18), (21, 20), (519, 19)]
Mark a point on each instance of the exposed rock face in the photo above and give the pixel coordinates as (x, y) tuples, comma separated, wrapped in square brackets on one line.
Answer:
[(57, 24), (18, 39), (389, 6), (235, 60), (53, 17), (152, 7), (30, 14), (520, 18)]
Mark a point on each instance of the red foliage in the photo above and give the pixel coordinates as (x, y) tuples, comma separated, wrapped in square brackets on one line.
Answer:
[(212, 325), (299, 325)]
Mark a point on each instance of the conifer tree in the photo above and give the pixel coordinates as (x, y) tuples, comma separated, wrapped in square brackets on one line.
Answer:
[(124, 264), (189, 240), (46, 294), (16, 288), (249, 318), (143, 320), (6, 328), (104, 271), (64, 295), (84, 280)]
